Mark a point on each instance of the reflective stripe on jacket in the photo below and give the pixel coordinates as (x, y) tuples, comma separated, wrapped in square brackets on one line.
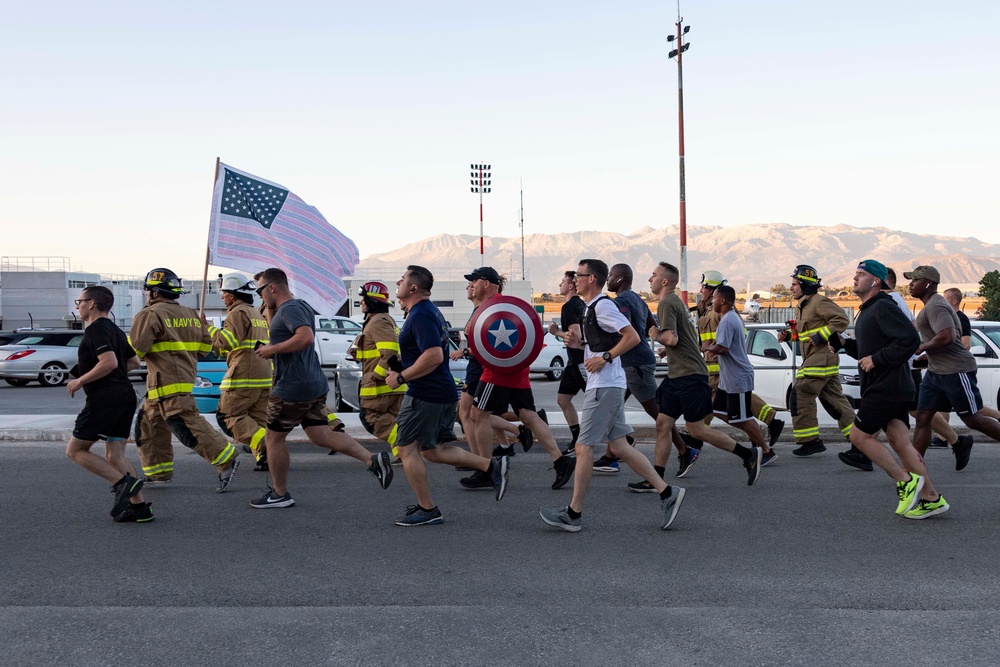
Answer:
[(243, 329), (377, 343), (170, 338), (816, 314)]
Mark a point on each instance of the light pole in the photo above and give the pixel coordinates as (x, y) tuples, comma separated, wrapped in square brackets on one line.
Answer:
[(522, 230), (678, 53), (480, 185)]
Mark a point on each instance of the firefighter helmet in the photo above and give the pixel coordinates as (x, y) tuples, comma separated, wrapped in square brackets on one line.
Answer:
[(165, 282), (375, 291), (712, 279), (236, 282), (808, 278)]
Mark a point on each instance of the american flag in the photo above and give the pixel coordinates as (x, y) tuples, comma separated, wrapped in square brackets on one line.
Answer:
[(257, 224)]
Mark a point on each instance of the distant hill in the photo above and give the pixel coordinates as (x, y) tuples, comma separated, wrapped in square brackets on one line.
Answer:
[(763, 255)]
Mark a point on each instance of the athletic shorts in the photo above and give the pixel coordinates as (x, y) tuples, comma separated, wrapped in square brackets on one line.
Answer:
[(734, 407), (688, 395), (641, 381), (424, 423), (955, 392), (874, 416), (916, 374), (495, 399), (283, 416), (106, 415), (472, 374), (572, 381), (603, 416)]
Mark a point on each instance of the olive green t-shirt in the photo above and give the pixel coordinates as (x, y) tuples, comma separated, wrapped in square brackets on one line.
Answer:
[(684, 358)]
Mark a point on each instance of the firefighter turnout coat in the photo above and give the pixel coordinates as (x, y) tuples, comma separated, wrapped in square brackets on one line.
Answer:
[(376, 345)]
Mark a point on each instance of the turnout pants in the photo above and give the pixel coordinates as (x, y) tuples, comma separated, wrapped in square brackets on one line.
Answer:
[(177, 415), (243, 415), (378, 416), (827, 389)]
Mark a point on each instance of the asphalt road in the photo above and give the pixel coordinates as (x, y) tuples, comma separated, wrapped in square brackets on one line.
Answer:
[(809, 567)]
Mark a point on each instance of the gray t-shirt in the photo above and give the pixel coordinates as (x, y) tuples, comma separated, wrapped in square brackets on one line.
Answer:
[(936, 316), (685, 357), (735, 369), (297, 375)]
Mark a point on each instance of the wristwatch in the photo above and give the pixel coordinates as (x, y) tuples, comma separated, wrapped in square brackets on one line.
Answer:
[(401, 379), (607, 357)]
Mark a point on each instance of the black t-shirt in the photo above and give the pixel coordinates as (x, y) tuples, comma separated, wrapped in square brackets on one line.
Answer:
[(573, 312), (102, 335), (963, 320)]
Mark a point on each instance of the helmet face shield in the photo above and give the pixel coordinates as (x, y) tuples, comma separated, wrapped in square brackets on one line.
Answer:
[(237, 282), (712, 279)]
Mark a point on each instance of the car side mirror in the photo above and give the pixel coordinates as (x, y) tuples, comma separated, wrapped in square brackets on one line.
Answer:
[(773, 353), (978, 351)]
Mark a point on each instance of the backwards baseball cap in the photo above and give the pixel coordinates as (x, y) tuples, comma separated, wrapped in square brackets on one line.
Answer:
[(923, 271), (875, 268), (487, 273)]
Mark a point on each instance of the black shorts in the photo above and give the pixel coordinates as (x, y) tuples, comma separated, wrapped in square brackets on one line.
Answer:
[(572, 381), (916, 374), (106, 415), (424, 423), (472, 374), (688, 395), (874, 416), (736, 408), (954, 392), (495, 399)]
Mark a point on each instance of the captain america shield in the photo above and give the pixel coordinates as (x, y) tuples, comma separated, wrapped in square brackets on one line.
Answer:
[(506, 334)]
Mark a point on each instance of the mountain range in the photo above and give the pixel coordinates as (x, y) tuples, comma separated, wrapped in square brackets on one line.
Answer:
[(762, 255)]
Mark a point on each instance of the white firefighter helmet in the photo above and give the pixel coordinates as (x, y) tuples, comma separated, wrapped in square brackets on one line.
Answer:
[(236, 282), (712, 279)]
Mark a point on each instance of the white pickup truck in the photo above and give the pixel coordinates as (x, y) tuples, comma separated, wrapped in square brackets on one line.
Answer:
[(333, 336)]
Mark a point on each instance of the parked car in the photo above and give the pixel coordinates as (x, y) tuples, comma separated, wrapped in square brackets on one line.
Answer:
[(42, 356), (552, 359), (206, 391), (772, 363), (986, 350), (11, 337)]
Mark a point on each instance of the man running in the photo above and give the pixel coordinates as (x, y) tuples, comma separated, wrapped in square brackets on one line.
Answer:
[(572, 381)]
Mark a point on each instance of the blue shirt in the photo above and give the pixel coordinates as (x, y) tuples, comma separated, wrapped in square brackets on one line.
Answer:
[(637, 313), (735, 369), (297, 375), (425, 328)]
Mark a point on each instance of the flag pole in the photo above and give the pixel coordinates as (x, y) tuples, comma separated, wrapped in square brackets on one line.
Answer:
[(208, 248)]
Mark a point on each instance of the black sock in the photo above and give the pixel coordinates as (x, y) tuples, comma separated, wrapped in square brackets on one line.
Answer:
[(573, 514), (743, 452), (665, 493), (574, 430), (427, 509), (660, 470)]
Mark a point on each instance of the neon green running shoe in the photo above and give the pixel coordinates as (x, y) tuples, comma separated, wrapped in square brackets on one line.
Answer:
[(928, 508), (909, 493)]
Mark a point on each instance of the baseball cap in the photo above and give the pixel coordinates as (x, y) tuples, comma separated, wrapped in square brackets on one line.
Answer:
[(875, 268), (923, 271), (487, 273)]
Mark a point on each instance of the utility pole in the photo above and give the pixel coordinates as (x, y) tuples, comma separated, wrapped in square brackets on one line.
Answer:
[(678, 53), (522, 230), (480, 185)]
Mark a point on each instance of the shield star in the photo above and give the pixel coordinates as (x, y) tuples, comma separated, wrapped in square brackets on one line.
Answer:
[(503, 335)]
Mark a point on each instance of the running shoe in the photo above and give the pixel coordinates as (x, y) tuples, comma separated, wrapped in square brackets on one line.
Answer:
[(962, 449), (226, 476), (606, 464), (774, 431), (937, 443), (642, 486), (670, 505), (124, 489), (564, 467), (261, 465), (752, 465), (381, 469), (559, 518), (909, 493), (525, 437), (500, 450), (691, 441), (417, 516), (477, 480), (272, 499), (136, 513), (928, 508), (768, 458), (810, 448), (686, 460), (158, 481), (854, 458), (543, 416), (630, 440), (501, 475)]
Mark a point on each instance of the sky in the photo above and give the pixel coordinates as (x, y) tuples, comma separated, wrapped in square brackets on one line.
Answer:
[(866, 113)]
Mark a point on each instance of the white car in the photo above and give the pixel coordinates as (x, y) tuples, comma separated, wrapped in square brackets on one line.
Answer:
[(552, 359), (41, 356), (772, 364), (986, 350)]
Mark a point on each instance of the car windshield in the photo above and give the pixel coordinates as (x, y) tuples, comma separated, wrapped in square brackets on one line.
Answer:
[(30, 340), (992, 333)]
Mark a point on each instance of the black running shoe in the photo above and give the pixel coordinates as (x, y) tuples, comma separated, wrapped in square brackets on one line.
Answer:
[(564, 465), (226, 477), (272, 499), (856, 459), (753, 465), (691, 441), (501, 475), (126, 487), (962, 449), (477, 480), (809, 448), (525, 436), (136, 513), (500, 450), (415, 516), (774, 431), (543, 416), (381, 468)]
